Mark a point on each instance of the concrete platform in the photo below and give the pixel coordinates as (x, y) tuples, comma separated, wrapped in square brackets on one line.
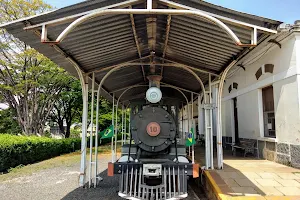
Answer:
[(250, 178)]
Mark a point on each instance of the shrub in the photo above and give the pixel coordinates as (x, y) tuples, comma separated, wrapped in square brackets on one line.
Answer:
[(23, 150)]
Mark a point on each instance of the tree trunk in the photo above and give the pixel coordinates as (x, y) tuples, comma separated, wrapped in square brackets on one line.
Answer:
[(68, 131), (61, 127)]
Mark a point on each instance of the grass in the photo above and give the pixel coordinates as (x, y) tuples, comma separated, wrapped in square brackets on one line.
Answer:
[(66, 160)]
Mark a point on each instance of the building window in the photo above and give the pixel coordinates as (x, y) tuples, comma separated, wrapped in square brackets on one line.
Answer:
[(268, 111), (234, 85)]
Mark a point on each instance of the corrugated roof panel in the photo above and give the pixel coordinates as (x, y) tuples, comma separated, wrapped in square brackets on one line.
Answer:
[(109, 40)]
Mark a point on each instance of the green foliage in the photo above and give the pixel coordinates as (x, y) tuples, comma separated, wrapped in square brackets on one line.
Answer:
[(75, 132), (8, 122), (22, 150), (30, 82), (68, 107)]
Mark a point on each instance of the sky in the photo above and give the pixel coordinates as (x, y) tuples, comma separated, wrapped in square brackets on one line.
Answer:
[(282, 10)]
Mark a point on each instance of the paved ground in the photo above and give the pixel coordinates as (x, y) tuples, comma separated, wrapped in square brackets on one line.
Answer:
[(61, 183), (261, 178), (254, 177)]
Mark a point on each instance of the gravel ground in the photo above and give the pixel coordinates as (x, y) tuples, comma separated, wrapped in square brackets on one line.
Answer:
[(62, 183)]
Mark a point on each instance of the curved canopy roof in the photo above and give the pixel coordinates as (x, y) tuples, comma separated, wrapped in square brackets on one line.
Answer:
[(147, 40)]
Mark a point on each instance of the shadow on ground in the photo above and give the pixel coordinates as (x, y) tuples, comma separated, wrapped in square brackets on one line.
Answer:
[(106, 190), (232, 181)]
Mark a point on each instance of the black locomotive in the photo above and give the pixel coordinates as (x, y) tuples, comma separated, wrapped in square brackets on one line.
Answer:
[(153, 165)]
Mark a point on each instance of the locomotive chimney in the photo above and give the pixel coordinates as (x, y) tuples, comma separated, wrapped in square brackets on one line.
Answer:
[(154, 80)]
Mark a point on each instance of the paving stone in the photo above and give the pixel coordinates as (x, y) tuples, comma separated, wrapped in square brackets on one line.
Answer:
[(251, 175), (282, 198), (289, 190), (268, 182), (288, 183), (270, 191), (226, 175), (226, 189), (231, 182), (283, 148), (287, 176), (245, 182), (217, 178), (297, 174), (245, 191), (267, 175)]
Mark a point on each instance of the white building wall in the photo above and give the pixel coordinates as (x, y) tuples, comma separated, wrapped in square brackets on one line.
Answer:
[(248, 118), (285, 80), (286, 103), (285, 83)]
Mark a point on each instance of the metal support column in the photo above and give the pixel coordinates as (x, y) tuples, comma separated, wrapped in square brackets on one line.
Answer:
[(116, 130), (218, 133), (125, 125), (129, 123), (208, 129), (84, 133), (193, 127), (113, 123), (219, 112), (122, 126), (190, 121), (211, 125), (91, 163)]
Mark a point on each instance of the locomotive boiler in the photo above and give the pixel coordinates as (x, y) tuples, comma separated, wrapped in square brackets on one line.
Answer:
[(154, 164)]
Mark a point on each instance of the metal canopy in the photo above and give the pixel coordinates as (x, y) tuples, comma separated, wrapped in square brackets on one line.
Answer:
[(116, 44), (105, 41)]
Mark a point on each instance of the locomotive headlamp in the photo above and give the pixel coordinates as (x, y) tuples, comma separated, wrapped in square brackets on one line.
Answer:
[(153, 95)]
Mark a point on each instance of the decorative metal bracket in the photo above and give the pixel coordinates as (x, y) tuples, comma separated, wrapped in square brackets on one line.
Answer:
[(275, 42)]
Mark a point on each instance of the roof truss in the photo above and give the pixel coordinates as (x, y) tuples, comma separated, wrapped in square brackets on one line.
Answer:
[(184, 10)]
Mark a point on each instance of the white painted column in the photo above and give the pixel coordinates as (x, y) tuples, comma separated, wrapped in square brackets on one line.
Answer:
[(122, 126), (113, 123), (125, 128), (218, 128), (82, 176), (91, 163)]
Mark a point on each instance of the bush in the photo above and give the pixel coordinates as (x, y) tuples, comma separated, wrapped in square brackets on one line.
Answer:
[(23, 150)]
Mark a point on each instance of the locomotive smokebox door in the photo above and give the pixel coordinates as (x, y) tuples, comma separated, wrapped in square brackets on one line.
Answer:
[(153, 129)]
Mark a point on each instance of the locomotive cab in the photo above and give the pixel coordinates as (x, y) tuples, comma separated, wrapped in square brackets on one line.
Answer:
[(153, 165)]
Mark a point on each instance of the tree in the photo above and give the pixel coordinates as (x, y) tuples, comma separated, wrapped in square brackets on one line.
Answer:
[(8, 122), (68, 108), (30, 82)]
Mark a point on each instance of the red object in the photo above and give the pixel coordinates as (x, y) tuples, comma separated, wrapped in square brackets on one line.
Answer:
[(195, 170), (153, 129), (110, 170)]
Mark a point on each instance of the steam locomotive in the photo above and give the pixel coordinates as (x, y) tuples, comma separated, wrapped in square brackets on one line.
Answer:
[(153, 165)]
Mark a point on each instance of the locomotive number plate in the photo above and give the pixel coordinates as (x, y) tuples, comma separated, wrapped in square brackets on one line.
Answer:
[(153, 129), (151, 169)]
